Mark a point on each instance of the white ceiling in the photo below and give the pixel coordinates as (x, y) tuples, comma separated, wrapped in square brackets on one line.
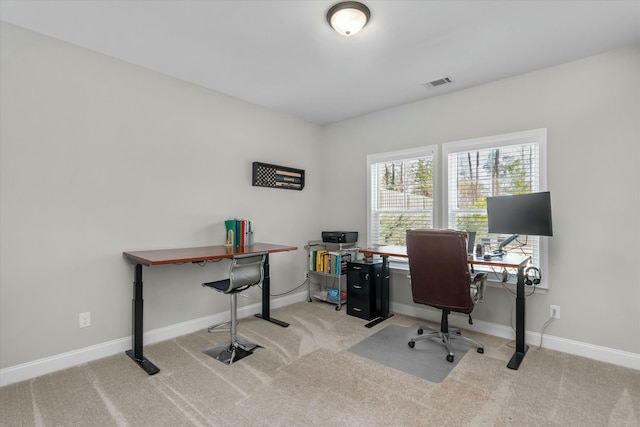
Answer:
[(283, 54)]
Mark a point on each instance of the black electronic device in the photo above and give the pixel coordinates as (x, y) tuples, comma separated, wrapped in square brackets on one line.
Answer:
[(528, 214), (339, 236), (532, 276)]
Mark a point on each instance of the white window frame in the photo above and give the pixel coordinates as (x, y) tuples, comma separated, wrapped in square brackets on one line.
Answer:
[(537, 136), (431, 150), (440, 156)]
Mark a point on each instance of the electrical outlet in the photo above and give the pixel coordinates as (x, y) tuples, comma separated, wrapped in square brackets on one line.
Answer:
[(554, 311), (84, 319)]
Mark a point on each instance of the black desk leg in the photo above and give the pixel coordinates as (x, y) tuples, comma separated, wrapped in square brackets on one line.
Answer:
[(266, 289), (382, 294), (521, 347), (136, 352)]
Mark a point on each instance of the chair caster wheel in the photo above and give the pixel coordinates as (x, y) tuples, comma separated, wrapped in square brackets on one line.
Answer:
[(338, 308), (420, 331), (309, 300), (480, 350), (449, 358), (411, 344)]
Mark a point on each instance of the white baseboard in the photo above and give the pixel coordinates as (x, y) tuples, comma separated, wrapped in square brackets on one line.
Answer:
[(47, 365), (577, 348)]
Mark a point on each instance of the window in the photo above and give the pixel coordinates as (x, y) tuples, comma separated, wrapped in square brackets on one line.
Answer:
[(401, 194), (404, 191), (493, 166)]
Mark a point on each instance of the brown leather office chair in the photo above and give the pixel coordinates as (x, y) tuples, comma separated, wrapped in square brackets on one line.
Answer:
[(245, 271), (440, 278)]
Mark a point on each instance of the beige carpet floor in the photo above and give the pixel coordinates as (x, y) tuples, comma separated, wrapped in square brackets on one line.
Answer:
[(305, 376)]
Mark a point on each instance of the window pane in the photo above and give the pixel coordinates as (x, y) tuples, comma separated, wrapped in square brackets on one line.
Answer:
[(401, 198), (477, 174), (393, 226)]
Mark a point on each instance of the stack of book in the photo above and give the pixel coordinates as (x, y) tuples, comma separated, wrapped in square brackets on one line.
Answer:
[(239, 232), (329, 262)]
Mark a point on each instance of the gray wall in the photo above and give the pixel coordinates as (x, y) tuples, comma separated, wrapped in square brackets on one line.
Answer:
[(591, 109), (99, 157)]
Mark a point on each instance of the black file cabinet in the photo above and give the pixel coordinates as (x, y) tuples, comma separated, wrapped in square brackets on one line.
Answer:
[(363, 279)]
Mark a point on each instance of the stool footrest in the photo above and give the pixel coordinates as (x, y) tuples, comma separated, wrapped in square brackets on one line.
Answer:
[(231, 352)]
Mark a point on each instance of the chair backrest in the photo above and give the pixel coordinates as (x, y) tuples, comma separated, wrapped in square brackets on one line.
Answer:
[(439, 269), (246, 270)]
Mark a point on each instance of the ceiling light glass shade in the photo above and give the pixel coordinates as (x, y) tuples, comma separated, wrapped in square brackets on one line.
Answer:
[(348, 17)]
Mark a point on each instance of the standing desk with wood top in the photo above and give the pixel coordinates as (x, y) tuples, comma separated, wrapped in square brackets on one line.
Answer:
[(507, 260), (182, 256)]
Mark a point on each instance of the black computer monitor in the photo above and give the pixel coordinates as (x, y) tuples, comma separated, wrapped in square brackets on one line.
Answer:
[(528, 214)]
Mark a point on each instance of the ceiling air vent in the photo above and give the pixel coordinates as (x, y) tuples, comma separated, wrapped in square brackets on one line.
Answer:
[(438, 82)]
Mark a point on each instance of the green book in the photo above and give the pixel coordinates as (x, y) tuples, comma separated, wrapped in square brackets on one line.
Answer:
[(230, 226)]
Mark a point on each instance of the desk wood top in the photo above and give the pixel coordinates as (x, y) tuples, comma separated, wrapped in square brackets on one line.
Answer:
[(205, 253), (507, 260)]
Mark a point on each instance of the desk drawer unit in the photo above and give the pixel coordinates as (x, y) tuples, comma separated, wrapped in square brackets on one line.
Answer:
[(363, 279)]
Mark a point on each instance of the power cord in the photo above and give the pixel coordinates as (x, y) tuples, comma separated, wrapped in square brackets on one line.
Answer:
[(287, 292), (547, 323), (510, 294), (203, 263)]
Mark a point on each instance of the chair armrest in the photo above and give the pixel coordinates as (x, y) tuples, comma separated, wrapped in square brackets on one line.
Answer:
[(478, 285)]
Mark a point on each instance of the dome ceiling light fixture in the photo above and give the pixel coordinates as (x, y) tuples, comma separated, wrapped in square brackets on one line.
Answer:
[(348, 17)]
